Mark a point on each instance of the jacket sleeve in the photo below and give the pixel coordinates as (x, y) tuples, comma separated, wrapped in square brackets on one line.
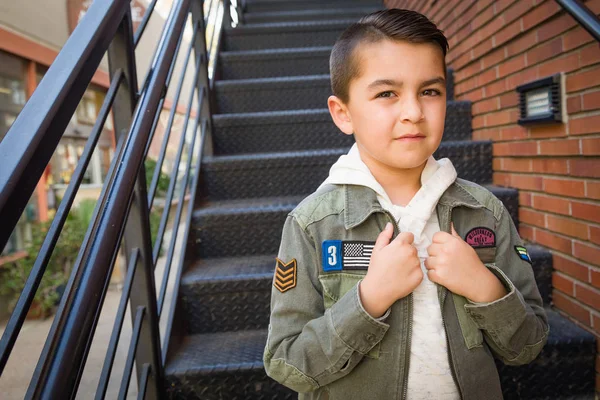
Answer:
[(308, 346), (515, 326)]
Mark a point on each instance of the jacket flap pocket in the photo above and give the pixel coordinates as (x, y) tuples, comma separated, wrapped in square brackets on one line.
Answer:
[(338, 284), (471, 333), (486, 254)]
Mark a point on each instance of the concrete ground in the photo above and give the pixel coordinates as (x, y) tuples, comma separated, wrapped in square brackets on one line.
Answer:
[(24, 357)]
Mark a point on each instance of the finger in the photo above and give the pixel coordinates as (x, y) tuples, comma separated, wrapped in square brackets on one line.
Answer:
[(440, 237), (454, 233), (405, 237), (384, 237), (433, 276), (434, 249), (430, 263)]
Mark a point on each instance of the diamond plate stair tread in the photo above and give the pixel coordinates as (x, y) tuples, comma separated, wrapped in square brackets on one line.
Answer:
[(227, 269), (225, 207), (263, 6), (308, 15), (308, 129), (218, 352), (208, 354)]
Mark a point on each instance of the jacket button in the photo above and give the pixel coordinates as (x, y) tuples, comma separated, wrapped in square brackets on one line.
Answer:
[(370, 337)]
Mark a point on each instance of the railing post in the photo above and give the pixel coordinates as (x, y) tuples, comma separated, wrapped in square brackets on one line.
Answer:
[(197, 9), (137, 231)]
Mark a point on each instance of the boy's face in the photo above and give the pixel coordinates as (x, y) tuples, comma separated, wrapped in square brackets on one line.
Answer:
[(401, 91)]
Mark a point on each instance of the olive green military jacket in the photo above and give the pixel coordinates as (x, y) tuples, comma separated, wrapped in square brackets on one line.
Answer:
[(323, 344)]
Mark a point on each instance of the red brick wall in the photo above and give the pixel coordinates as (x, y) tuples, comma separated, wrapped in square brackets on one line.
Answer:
[(496, 46)]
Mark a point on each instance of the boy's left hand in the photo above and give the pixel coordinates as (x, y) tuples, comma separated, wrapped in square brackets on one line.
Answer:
[(453, 263)]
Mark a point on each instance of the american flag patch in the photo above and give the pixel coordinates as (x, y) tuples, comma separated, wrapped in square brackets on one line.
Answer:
[(357, 255)]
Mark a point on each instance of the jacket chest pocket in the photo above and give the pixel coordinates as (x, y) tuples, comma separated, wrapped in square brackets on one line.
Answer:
[(335, 285)]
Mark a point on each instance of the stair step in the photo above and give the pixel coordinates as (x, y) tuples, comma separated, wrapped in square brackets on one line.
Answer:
[(276, 174), (308, 15), (271, 94), (542, 269), (259, 6), (218, 366), (228, 365), (564, 369), (272, 63), (284, 35), (232, 228), (295, 130), (227, 294)]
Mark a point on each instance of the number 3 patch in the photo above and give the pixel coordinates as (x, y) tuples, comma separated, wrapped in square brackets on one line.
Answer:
[(332, 255)]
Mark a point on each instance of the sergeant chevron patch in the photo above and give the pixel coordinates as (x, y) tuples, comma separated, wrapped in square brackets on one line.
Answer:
[(285, 275), (523, 254)]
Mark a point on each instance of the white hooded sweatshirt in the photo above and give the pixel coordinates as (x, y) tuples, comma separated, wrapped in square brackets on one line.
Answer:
[(429, 375)]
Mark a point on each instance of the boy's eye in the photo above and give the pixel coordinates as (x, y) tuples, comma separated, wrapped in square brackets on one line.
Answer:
[(432, 92), (385, 94)]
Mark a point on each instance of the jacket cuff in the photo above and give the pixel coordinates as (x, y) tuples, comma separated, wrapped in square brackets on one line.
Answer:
[(499, 313), (353, 325)]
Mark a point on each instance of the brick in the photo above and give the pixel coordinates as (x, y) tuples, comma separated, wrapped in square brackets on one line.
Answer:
[(475, 95), (501, 179), (532, 217), (595, 234), (590, 55), (482, 18), (565, 187), (571, 267), (525, 199), (492, 59), (545, 51), (591, 101), (516, 164), (495, 88), (487, 134), (478, 122), (485, 106), (596, 321), (568, 63), (487, 77), (553, 241), (515, 149), (584, 125), (574, 104), (516, 132), (586, 167), (590, 147), (511, 66), (548, 131), (461, 60), (575, 38), (500, 118), (497, 164), (586, 211), (509, 32), (528, 182), (527, 232), (593, 190), (556, 27), (571, 307), (525, 76), (550, 166), (587, 252), (583, 80), (540, 14), (567, 226), (467, 72), (510, 99), (492, 27), (482, 48), (587, 295), (563, 283), (521, 44), (518, 9), (552, 204), (562, 147)]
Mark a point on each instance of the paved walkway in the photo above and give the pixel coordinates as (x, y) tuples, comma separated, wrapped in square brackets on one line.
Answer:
[(19, 370)]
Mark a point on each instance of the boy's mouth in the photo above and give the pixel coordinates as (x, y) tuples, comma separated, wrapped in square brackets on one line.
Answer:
[(411, 137)]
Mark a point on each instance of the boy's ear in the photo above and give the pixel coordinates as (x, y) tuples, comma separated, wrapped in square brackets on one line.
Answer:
[(340, 114)]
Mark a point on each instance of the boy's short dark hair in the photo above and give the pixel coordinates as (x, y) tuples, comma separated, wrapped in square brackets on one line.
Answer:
[(393, 24)]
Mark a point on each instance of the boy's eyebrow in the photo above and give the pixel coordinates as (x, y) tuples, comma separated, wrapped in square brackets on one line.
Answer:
[(391, 82)]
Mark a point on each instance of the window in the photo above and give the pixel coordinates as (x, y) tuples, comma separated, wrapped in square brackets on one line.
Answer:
[(12, 90)]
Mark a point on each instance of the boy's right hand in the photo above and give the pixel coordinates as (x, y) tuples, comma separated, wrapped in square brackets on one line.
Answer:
[(394, 272)]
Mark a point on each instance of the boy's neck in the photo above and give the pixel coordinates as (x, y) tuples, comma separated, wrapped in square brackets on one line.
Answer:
[(401, 185)]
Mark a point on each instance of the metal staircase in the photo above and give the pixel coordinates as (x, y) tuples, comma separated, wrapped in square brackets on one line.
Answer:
[(274, 142)]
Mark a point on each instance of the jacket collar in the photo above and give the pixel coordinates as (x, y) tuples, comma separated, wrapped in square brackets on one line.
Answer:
[(360, 202)]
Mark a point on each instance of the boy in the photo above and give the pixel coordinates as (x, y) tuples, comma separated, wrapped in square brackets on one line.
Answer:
[(395, 279)]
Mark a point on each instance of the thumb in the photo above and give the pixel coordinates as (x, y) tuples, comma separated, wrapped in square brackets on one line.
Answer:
[(453, 231), (384, 237)]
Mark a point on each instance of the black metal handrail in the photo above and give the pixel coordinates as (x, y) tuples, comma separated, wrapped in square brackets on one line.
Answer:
[(122, 211), (583, 15)]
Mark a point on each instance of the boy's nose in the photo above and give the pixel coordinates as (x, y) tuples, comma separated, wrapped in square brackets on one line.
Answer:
[(411, 110)]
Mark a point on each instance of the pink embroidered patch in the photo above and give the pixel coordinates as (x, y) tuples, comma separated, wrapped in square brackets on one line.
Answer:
[(481, 237)]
